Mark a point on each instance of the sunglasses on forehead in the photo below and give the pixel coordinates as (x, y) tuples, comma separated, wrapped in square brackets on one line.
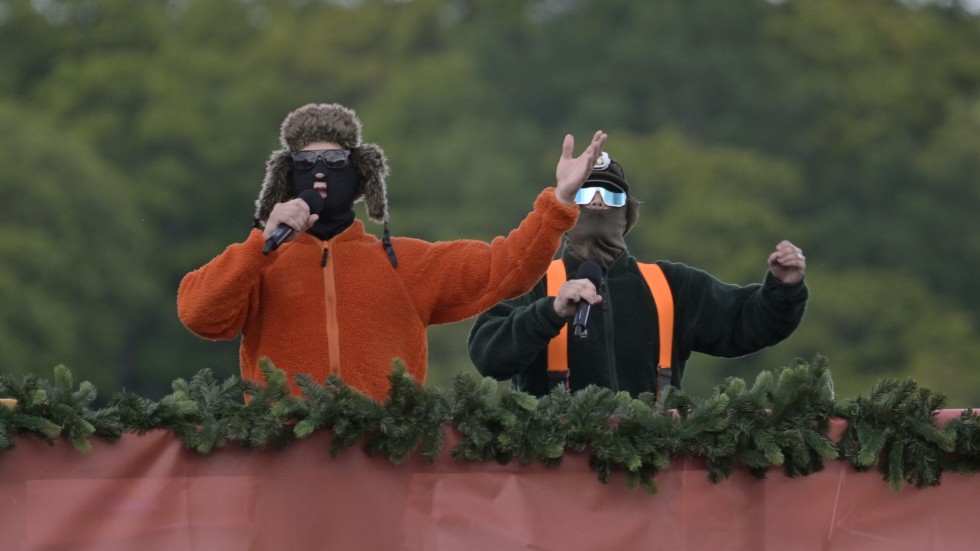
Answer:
[(609, 197), (333, 158)]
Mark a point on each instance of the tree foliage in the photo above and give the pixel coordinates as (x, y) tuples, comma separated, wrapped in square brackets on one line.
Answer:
[(135, 135)]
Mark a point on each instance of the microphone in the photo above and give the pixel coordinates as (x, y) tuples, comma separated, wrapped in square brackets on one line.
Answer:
[(313, 200), (591, 271)]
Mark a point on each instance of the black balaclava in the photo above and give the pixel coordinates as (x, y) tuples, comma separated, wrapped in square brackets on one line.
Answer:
[(598, 235), (343, 186)]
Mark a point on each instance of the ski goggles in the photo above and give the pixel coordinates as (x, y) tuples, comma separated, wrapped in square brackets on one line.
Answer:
[(333, 158), (609, 197)]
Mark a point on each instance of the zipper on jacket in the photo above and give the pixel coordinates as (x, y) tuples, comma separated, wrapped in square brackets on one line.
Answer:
[(330, 311), (610, 342)]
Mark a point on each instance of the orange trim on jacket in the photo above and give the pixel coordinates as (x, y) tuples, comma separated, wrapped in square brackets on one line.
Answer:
[(278, 302), (663, 301), (558, 346)]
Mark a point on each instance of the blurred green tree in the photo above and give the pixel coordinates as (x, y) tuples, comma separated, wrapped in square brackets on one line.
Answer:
[(849, 128), (75, 282)]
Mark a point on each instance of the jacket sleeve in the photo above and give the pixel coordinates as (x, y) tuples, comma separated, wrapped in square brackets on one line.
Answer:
[(727, 320), (214, 300), (456, 280), (505, 340)]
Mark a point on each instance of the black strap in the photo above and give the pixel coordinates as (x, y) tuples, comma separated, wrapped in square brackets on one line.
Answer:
[(558, 379), (663, 381), (386, 242)]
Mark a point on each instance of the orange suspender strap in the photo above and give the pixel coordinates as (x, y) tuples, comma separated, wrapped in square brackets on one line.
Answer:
[(664, 301), (558, 347)]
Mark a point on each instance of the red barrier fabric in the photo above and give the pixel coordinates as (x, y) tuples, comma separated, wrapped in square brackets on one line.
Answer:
[(147, 492)]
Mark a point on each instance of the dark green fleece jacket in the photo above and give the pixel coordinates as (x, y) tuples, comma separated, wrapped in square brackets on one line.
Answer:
[(510, 341)]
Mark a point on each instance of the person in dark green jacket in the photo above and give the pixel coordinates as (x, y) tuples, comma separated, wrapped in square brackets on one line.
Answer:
[(621, 347)]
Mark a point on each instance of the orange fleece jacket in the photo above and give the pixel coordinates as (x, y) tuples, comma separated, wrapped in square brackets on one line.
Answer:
[(338, 306)]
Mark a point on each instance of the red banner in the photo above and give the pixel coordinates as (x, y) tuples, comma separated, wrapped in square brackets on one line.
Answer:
[(148, 492)]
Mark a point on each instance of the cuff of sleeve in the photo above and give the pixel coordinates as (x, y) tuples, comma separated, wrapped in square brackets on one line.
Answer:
[(545, 309), (555, 213), (254, 245), (255, 240), (795, 292)]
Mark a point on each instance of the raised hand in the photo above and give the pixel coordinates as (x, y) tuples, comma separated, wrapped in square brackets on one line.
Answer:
[(572, 172), (787, 263)]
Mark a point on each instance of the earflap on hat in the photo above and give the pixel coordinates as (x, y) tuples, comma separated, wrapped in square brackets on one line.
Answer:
[(276, 187), (372, 166)]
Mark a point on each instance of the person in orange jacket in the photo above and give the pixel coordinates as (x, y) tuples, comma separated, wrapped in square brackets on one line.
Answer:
[(333, 299)]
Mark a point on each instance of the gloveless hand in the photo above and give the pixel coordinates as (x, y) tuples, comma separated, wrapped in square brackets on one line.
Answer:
[(572, 172), (787, 263)]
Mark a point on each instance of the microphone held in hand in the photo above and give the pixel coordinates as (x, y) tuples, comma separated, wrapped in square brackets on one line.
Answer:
[(591, 271), (313, 200)]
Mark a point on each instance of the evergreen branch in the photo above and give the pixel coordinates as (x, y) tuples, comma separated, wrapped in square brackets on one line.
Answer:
[(535, 428), (411, 417), (348, 414), (31, 414), (212, 421), (65, 407), (782, 420), (894, 427), (472, 411), (965, 457)]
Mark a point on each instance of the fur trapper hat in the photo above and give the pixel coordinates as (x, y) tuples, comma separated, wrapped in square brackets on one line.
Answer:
[(608, 170), (328, 122)]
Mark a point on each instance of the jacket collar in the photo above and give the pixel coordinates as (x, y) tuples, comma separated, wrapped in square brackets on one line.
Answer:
[(353, 232), (572, 263)]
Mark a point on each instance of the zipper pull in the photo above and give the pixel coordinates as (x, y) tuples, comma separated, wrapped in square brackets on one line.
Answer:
[(323, 261)]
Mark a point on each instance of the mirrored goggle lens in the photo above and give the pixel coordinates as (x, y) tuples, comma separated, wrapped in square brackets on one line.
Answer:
[(609, 197), (333, 158)]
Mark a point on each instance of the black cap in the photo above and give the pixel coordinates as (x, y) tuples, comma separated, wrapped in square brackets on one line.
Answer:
[(608, 171)]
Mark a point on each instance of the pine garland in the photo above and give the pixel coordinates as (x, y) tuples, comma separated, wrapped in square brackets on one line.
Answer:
[(894, 427), (781, 416), (781, 421)]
